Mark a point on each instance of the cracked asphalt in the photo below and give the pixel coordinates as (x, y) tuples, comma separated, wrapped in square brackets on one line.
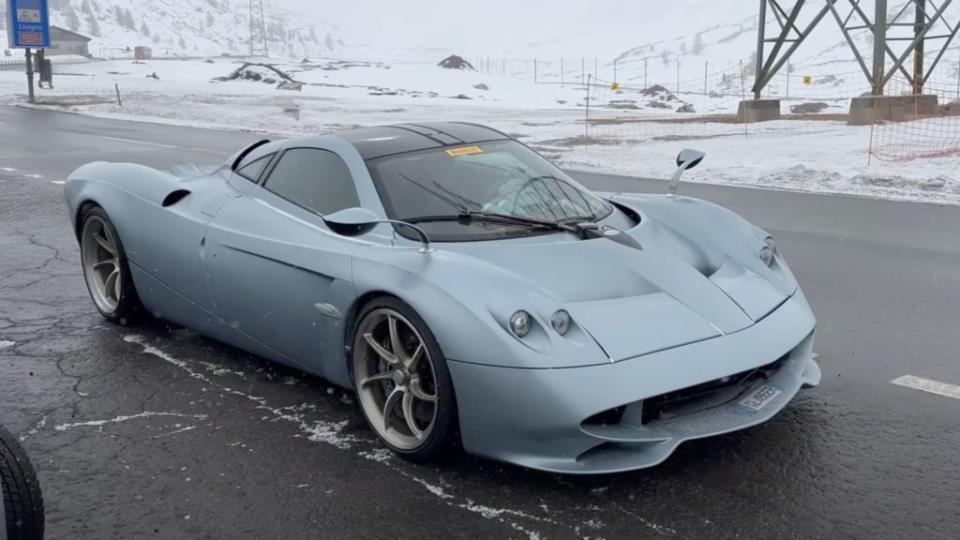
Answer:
[(157, 432)]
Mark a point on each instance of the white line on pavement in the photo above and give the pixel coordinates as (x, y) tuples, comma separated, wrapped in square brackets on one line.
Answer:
[(927, 385), (58, 182), (134, 141), (8, 169)]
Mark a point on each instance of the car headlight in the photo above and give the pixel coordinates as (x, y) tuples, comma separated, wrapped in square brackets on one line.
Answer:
[(560, 321), (520, 323), (768, 253)]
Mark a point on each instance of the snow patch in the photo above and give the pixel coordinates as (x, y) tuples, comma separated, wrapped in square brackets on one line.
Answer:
[(317, 431), (6, 343), (171, 433), (214, 369), (119, 419), (33, 431)]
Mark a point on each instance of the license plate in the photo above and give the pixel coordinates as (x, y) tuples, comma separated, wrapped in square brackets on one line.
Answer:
[(760, 397)]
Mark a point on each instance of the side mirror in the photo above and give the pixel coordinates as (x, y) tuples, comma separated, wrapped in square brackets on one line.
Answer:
[(352, 221), (359, 221), (689, 159), (686, 160)]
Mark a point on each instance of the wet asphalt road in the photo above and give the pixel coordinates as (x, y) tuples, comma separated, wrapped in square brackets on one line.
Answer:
[(155, 432)]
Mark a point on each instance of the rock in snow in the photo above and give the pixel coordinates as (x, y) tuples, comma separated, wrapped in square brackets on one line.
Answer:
[(456, 62)]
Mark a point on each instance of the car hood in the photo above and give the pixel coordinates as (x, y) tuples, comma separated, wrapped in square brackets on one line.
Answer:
[(672, 292)]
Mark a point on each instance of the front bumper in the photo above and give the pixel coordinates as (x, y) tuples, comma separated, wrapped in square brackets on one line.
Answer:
[(535, 417)]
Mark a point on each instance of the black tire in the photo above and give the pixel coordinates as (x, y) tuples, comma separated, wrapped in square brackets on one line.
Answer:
[(22, 500), (444, 436), (129, 309)]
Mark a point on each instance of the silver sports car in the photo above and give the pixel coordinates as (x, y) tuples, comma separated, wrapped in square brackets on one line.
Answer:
[(467, 289)]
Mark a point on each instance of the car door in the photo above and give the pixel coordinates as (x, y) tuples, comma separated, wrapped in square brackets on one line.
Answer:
[(278, 277)]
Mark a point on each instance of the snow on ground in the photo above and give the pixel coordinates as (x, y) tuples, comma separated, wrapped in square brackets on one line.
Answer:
[(819, 155)]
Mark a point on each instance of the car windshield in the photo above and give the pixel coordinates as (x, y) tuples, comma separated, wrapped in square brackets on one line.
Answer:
[(502, 178)]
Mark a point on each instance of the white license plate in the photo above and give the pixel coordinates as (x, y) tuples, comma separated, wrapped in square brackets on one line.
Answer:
[(760, 397)]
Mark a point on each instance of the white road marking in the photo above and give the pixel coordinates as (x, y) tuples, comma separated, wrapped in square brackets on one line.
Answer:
[(58, 182), (7, 169), (135, 141), (34, 176), (929, 386)]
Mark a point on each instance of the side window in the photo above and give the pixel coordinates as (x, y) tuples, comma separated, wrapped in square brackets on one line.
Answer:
[(251, 171), (316, 179)]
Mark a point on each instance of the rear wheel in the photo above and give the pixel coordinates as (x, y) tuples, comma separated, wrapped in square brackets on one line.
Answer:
[(402, 381), (105, 268), (20, 497)]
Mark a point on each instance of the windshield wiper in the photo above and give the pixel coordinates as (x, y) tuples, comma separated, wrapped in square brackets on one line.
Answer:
[(583, 230), (467, 216)]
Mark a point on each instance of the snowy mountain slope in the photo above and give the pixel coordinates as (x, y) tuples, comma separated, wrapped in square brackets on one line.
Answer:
[(193, 27), (647, 41), (649, 36)]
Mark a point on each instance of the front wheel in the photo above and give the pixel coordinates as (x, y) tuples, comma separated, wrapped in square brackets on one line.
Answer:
[(105, 268), (402, 381)]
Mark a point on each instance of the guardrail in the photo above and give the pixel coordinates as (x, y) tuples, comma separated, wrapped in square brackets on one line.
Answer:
[(13, 65)]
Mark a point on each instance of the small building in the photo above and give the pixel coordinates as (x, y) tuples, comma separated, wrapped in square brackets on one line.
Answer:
[(64, 42), (142, 53)]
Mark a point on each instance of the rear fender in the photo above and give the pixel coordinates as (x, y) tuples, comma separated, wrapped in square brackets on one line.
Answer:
[(119, 188)]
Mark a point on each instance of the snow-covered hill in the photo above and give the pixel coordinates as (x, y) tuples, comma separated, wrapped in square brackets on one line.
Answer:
[(652, 41), (194, 27)]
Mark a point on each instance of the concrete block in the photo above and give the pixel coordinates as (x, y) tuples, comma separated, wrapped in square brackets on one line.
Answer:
[(866, 110), (758, 110)]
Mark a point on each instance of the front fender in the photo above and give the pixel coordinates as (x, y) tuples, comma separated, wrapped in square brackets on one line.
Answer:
[(467, 303)]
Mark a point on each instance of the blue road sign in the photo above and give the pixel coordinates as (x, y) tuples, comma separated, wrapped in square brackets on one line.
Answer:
[(28, 24)]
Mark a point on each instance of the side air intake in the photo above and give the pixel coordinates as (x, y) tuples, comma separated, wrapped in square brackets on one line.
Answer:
[(174, 197)]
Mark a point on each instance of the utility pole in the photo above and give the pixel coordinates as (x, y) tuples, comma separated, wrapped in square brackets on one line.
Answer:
[(255, 26), (918, 25), (586, 118), (263, 26), (706, 70), (788, 80), (743, 83), (251, 26), (879, 42)]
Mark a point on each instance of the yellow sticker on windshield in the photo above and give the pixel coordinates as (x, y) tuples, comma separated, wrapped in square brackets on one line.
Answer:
[(464, 151)]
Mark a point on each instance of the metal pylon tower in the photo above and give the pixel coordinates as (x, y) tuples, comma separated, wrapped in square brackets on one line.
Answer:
[(919, 26), (258, 29)]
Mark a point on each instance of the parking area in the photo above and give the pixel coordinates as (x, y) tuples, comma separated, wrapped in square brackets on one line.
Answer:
[(154, 431)]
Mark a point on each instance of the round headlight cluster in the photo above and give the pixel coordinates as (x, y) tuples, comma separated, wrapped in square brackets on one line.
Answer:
[(520, 323), (560, 322)]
